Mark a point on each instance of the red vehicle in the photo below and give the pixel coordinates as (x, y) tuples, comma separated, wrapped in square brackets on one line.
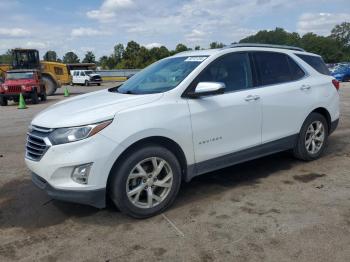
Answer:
[(27, 82)]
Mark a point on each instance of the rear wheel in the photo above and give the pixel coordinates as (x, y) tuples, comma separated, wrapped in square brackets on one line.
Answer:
[(3, 101), (313, 138), (98, 84), (146, 182), (50, 85)]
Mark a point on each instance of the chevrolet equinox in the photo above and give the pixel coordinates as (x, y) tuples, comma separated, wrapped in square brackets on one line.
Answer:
[(181, 117)]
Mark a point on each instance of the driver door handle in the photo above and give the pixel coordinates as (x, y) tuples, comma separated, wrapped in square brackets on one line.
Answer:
[(252, 98)]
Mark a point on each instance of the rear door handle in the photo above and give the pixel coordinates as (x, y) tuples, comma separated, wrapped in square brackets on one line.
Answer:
[(305, 87), (252, 98)]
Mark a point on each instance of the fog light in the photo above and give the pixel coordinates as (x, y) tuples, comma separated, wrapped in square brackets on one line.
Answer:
[(81, 173)]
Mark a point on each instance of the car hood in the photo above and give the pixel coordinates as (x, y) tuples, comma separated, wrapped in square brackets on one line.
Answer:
[(90, 108), (91, 75), (20, 82)]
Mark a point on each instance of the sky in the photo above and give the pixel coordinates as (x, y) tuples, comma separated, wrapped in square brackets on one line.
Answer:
[(97, 25)]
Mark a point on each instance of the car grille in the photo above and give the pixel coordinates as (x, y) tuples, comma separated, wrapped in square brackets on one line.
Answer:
[(96, 78), (14, 89), (37, 142)]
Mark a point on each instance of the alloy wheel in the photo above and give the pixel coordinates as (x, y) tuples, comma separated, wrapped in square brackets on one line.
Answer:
[(149, 182), (315, 137)]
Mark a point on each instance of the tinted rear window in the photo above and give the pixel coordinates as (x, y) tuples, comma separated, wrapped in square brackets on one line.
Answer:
[(295, 70), (276, 68), (316, 62)]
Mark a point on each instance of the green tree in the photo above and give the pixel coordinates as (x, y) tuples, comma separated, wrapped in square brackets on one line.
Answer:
[(157, 53), (70, 58), (89, 57), (102, 62), (119, 52), (342, 33), (180, 48), (131, 56), (6, 58), (276, 37), (197, 47), (330, 49), (50, 56), (214, 45)]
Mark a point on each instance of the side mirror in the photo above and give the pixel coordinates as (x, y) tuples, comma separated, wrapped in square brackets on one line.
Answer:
[(208, 88)]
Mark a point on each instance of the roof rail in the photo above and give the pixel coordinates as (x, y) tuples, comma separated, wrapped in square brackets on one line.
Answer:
[(266, 46)]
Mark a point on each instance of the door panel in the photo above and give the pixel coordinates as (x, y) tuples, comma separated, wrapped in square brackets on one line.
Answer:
[(224, 124), (285, 94), (230, 122), (284, 107)]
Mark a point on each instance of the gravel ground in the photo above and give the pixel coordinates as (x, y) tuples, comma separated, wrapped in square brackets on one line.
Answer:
[(271, 209)]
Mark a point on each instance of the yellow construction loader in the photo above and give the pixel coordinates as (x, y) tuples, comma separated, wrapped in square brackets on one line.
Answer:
[(53, 74)]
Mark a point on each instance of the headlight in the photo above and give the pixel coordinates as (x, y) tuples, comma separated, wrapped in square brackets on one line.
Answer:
[(72, 134)]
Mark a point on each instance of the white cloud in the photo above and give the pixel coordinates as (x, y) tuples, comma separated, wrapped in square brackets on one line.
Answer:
[(87, 31), (195, 36), (152, 45), (35, 44), (109, 9), (14, 32), (320, 23)]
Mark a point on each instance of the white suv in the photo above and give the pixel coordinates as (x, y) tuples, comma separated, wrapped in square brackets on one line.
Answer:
[(181, 117)]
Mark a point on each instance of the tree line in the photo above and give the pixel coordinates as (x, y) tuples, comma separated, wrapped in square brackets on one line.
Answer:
[(333, 48)]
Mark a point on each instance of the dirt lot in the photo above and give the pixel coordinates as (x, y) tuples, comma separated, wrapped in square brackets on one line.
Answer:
[(272, 209)]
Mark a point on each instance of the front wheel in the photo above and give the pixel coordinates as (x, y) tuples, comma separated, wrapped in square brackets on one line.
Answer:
[(87, 83), (34, 97), (43, 96), (3, 101), (312, 138), (146, 182)]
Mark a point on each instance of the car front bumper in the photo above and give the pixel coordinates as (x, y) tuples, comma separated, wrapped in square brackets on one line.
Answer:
[(53, 172), (15, 95), (95, 198)]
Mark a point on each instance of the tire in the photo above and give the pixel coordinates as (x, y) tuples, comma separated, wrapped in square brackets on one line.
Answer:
[(309, 138), (98, 84), (34, 97), (43, 95), (50, 85), (169, 176), (3, 101), (86, 83)]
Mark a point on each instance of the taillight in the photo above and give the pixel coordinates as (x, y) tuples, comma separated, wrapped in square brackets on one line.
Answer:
[(336, 84)]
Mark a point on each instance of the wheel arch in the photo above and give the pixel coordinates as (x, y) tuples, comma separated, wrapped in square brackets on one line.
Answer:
[(166, 142), (324, 112)]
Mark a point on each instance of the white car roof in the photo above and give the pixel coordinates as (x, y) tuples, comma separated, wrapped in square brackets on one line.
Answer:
[(210, 52)]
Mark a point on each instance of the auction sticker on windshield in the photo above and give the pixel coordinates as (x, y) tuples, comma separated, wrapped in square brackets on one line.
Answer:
[(195, 58)]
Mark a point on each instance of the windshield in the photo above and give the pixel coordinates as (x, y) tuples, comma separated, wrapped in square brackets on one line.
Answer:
[(19, 75), (161, 76)]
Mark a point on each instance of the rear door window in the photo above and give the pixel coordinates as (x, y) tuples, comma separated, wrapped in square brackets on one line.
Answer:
[(296, 71), (316, 62), (273, 68)]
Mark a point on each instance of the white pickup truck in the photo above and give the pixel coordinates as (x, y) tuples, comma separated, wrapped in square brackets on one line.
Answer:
[(85, 77)]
